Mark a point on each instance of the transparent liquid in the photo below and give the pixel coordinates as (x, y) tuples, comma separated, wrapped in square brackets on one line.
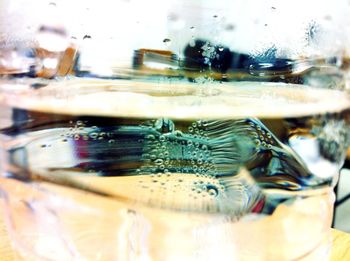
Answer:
[(231, 182)]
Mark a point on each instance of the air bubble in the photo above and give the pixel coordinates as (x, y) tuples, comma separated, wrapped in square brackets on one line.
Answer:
[(177, 133), (151, 137), (162, 138), (221, 48), (111, 141), (158, 161), (93, 135)]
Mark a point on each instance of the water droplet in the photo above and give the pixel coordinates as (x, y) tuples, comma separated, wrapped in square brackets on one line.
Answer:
[(162, 138), (192, 28), (52, 4), (215, 16), (86, 37), (190, 129), (192, 42), (43, 146), (167, 41), (229, 27), (111, 141), (189, 143), (64, 140)]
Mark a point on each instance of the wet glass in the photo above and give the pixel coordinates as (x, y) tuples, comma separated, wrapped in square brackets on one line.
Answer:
[(172, 130)]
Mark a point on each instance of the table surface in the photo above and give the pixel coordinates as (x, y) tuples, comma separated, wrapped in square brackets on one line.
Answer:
[(340, 247)]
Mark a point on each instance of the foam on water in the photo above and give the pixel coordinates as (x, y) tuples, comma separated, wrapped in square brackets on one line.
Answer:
[(175, 100)]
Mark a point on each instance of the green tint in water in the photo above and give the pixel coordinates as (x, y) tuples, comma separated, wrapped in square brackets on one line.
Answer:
[(204, 165)]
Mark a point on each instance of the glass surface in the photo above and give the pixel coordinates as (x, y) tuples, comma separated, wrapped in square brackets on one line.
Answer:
[(172, 130)]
